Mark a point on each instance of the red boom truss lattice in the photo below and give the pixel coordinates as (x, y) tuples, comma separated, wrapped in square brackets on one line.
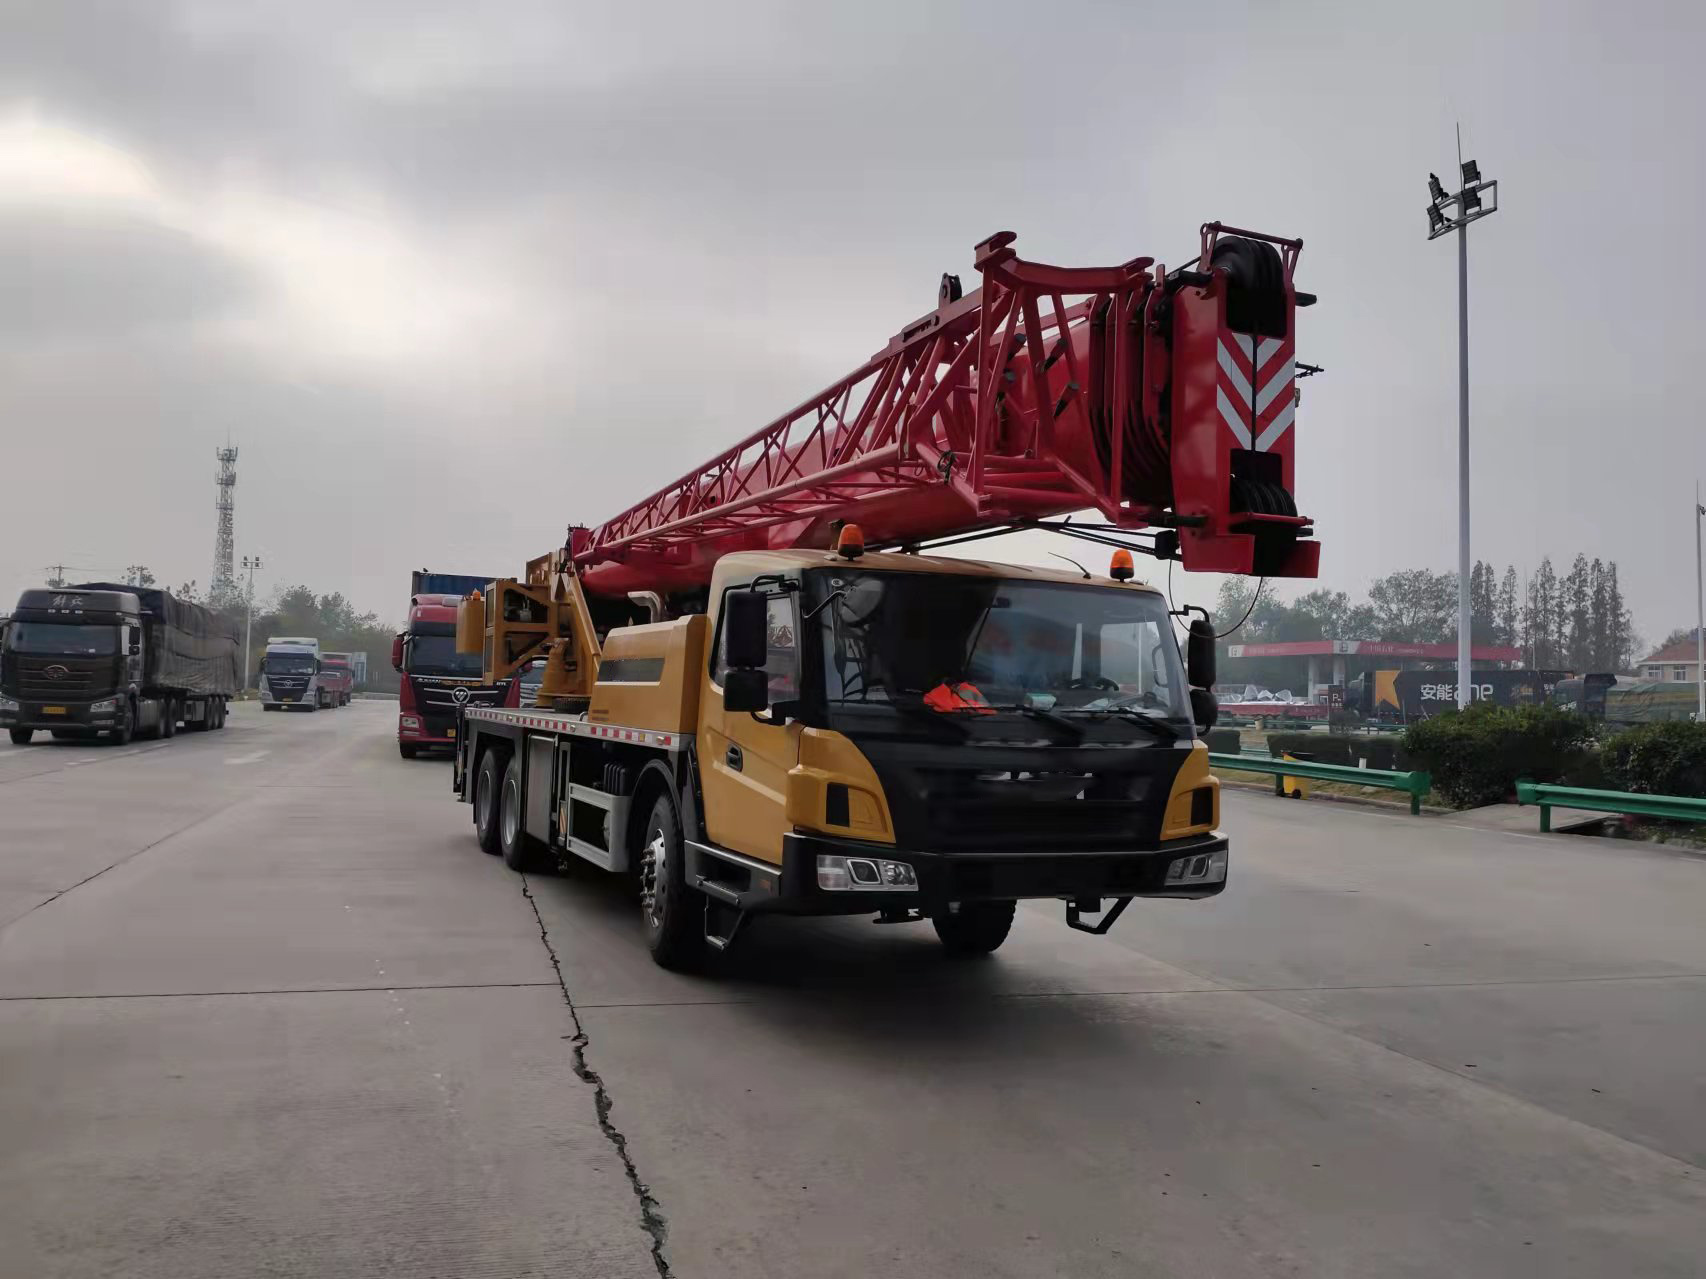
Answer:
[(1049, 390)]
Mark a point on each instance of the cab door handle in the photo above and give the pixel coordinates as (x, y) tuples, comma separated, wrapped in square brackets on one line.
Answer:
[(733, 758)]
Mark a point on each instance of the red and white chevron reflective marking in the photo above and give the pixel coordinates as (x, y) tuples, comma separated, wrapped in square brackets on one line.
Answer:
[(575, 727), (1256, 390)]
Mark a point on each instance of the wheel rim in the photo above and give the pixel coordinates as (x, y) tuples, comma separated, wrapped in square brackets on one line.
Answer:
[(482, 799), (511, 818), (654, 863)]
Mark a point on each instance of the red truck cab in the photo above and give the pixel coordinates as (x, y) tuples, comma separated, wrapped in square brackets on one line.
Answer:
[(437, 681), (337, 678)]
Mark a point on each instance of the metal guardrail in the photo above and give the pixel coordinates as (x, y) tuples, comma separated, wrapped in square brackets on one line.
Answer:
[(1416, 783), (1547, 796)]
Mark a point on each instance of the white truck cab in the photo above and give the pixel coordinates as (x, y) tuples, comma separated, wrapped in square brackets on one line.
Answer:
[(290, 674)]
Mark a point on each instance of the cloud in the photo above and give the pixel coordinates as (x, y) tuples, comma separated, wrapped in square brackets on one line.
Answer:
[(93, 277)]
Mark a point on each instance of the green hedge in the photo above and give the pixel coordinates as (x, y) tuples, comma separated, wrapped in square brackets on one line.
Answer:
[(1225, 741), (1477, 755), (1352, 749), (1385, 752), (1323, 748), (1658, 759)]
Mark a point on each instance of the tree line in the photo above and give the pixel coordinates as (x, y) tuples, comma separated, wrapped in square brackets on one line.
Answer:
[(1578, 621)]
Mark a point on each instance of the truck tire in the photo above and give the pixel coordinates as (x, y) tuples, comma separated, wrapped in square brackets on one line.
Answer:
[(219, 712), (672, 914), (974, 928), (522, 853), (488, 781), (21, 736), (408, 750), (126, 727), (168, 718)]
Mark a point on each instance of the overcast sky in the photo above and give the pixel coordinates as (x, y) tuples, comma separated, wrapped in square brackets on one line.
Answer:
[(452, 276)]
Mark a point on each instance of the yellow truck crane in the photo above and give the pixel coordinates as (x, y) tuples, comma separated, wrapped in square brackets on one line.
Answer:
[(762, 695)]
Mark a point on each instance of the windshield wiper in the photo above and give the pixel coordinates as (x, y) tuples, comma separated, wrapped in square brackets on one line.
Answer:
[(1160, 727), (1037, 712)]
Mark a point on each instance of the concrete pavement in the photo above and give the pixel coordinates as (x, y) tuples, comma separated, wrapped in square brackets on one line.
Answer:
[(266, 1009)]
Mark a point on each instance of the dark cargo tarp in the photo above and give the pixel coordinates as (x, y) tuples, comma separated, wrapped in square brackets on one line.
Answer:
[(189, 648), (1652, 703)]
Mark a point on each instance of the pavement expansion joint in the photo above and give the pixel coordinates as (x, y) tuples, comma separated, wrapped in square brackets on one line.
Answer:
[(652, 1219)]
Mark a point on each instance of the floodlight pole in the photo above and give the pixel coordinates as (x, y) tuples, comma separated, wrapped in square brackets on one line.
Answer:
[(1464, 617), (1469, 206), (250, 562), (1699, 612)]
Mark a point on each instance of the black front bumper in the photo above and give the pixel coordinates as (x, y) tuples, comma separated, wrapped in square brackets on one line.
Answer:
[(72, 715), (961, 877)]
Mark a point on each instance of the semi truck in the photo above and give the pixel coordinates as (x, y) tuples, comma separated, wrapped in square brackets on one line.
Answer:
[(338, 674), (435, 680), (291, 674), (761, 694), (114, 661)]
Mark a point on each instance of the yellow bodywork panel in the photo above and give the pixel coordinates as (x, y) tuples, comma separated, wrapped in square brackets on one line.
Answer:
[(650, 676), (544, 616), (827, 758), (471, 623), (1193, 775), (744, 762)]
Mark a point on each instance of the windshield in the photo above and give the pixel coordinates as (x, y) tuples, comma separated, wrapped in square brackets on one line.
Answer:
[(437, 655), (957, 641), (62, 639), (288, 664)]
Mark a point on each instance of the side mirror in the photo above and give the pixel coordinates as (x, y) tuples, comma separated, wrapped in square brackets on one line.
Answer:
[(1199, 653), (396, 652), (745, 689), (135, 649), (746, 618), (134, 639), (1205, 711)]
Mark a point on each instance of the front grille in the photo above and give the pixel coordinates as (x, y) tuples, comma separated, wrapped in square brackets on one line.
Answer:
[(442, 697), (82, 678), (969, 811)]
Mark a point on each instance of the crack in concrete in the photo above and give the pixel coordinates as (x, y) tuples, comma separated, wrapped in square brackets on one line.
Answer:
[(652, 1219)]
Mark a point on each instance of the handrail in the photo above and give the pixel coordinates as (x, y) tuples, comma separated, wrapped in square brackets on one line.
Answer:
[(1684, 808), (1415, 782)]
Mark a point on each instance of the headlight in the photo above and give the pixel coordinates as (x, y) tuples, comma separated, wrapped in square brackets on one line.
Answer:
[(409, 721), (7, 704), (105, 704), (867, 874)]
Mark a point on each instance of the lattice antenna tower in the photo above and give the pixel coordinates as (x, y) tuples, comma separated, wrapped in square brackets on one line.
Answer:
[(224, 569)]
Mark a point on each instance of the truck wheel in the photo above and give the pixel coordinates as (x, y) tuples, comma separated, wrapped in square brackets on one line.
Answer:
[(673, 915), (408, 750), (168, 718), (21, 736), (488, 780), (219, 713), (521, 851), (974, 928), (126, 727)]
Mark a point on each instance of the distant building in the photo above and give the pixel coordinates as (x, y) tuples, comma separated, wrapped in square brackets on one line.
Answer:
[(1679, 662)]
